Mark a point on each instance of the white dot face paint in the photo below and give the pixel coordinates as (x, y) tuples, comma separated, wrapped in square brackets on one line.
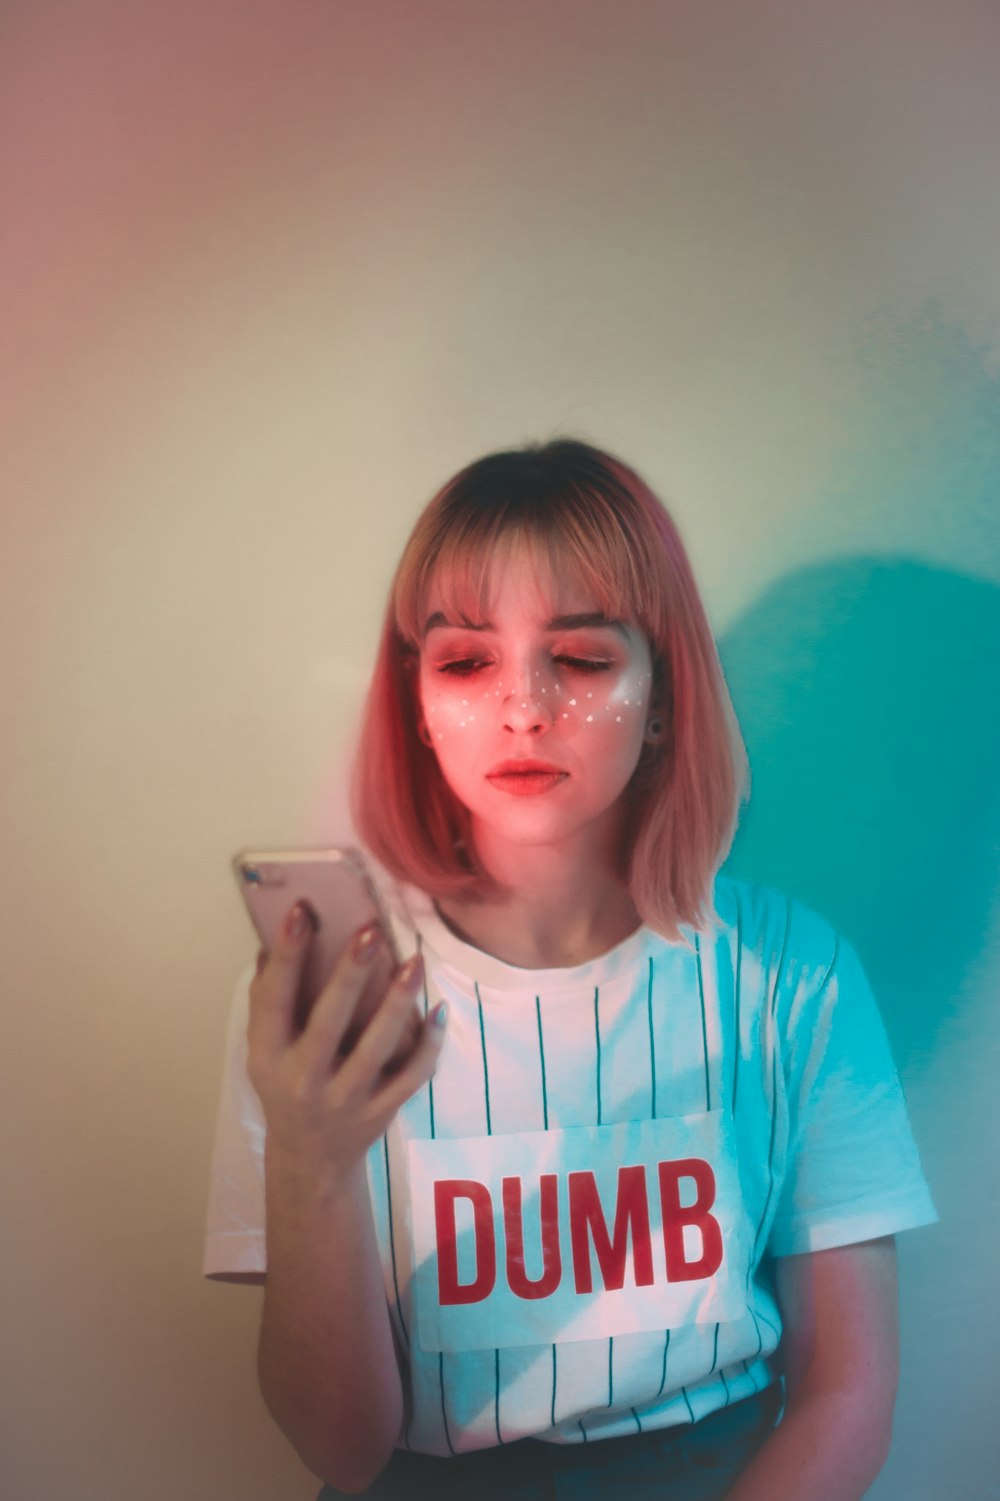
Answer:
[(523, 672)]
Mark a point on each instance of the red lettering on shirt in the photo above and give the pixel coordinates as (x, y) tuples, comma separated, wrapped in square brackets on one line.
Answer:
[(513, 1223), (450, 1290), (586, 1220), (676, 1216), (589, 1234)]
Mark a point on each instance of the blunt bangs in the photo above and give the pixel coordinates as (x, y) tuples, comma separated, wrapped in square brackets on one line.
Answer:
[(570, 525)]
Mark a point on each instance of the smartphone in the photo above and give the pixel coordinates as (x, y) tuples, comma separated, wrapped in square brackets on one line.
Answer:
[(340, 896)]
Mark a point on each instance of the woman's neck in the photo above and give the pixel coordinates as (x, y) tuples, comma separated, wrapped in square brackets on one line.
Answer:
[(546, 927)]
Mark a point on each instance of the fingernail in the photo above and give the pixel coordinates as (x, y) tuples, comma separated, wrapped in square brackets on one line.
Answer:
[(410, 971), (295, 923), (366, 942)]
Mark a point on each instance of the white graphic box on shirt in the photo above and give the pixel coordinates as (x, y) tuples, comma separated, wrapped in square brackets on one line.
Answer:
[(537, 1237)]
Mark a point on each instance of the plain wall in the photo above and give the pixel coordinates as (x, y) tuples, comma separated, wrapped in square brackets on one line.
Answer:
[(271, 272)]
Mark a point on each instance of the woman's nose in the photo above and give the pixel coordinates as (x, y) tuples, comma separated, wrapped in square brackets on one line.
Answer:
[(526, 708)]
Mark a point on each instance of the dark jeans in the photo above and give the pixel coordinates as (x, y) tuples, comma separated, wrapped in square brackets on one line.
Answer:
[(689, 1462)]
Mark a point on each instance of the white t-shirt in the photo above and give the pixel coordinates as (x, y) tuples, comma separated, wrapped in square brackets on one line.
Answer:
[(576, 1215)]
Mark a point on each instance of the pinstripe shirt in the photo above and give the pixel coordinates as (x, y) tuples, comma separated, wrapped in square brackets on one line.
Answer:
[(577, 1214)]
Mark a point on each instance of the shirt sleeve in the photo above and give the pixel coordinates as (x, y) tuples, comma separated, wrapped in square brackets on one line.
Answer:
[(852, 1169), (234, 1238)]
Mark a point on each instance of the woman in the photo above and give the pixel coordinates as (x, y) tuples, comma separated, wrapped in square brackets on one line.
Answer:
[(640, 1192)]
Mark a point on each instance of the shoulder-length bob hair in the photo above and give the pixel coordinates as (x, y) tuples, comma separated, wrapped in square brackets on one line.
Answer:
[(584, 511)]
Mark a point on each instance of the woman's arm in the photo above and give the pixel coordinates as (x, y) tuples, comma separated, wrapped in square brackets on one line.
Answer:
[(326, 1361), (327, 1364), (840, 1343)]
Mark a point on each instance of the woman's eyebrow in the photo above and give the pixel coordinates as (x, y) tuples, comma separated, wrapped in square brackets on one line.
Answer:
[(581, 622), (594, 618), (439, 619)]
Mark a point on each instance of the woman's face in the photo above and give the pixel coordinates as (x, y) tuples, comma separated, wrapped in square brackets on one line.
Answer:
[(545, 681)]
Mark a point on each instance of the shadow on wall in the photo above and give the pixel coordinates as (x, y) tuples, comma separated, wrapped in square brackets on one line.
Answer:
[(867, 692)]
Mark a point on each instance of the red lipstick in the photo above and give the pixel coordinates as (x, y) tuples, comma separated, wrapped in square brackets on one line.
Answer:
[(525, 777)]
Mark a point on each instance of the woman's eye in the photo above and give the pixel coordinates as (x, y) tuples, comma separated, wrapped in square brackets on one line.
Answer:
[(584, 664), (463, 667)]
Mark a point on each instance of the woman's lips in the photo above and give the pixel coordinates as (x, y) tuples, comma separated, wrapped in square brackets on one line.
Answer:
[(527, 783)]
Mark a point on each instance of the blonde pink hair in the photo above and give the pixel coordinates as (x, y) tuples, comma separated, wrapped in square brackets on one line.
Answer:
[(583, 510)]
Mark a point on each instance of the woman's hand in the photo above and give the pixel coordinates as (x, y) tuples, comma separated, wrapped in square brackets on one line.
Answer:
[(329, 1370), (324, 1105)]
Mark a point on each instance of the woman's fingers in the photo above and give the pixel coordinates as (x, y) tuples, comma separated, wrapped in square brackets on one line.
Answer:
[(362, 971), (412, 1075), (363, 1050), (274, 990), (330, 1088), (395, 1023)]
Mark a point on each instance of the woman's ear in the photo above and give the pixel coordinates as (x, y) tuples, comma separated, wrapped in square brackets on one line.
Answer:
[(659, 712)]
